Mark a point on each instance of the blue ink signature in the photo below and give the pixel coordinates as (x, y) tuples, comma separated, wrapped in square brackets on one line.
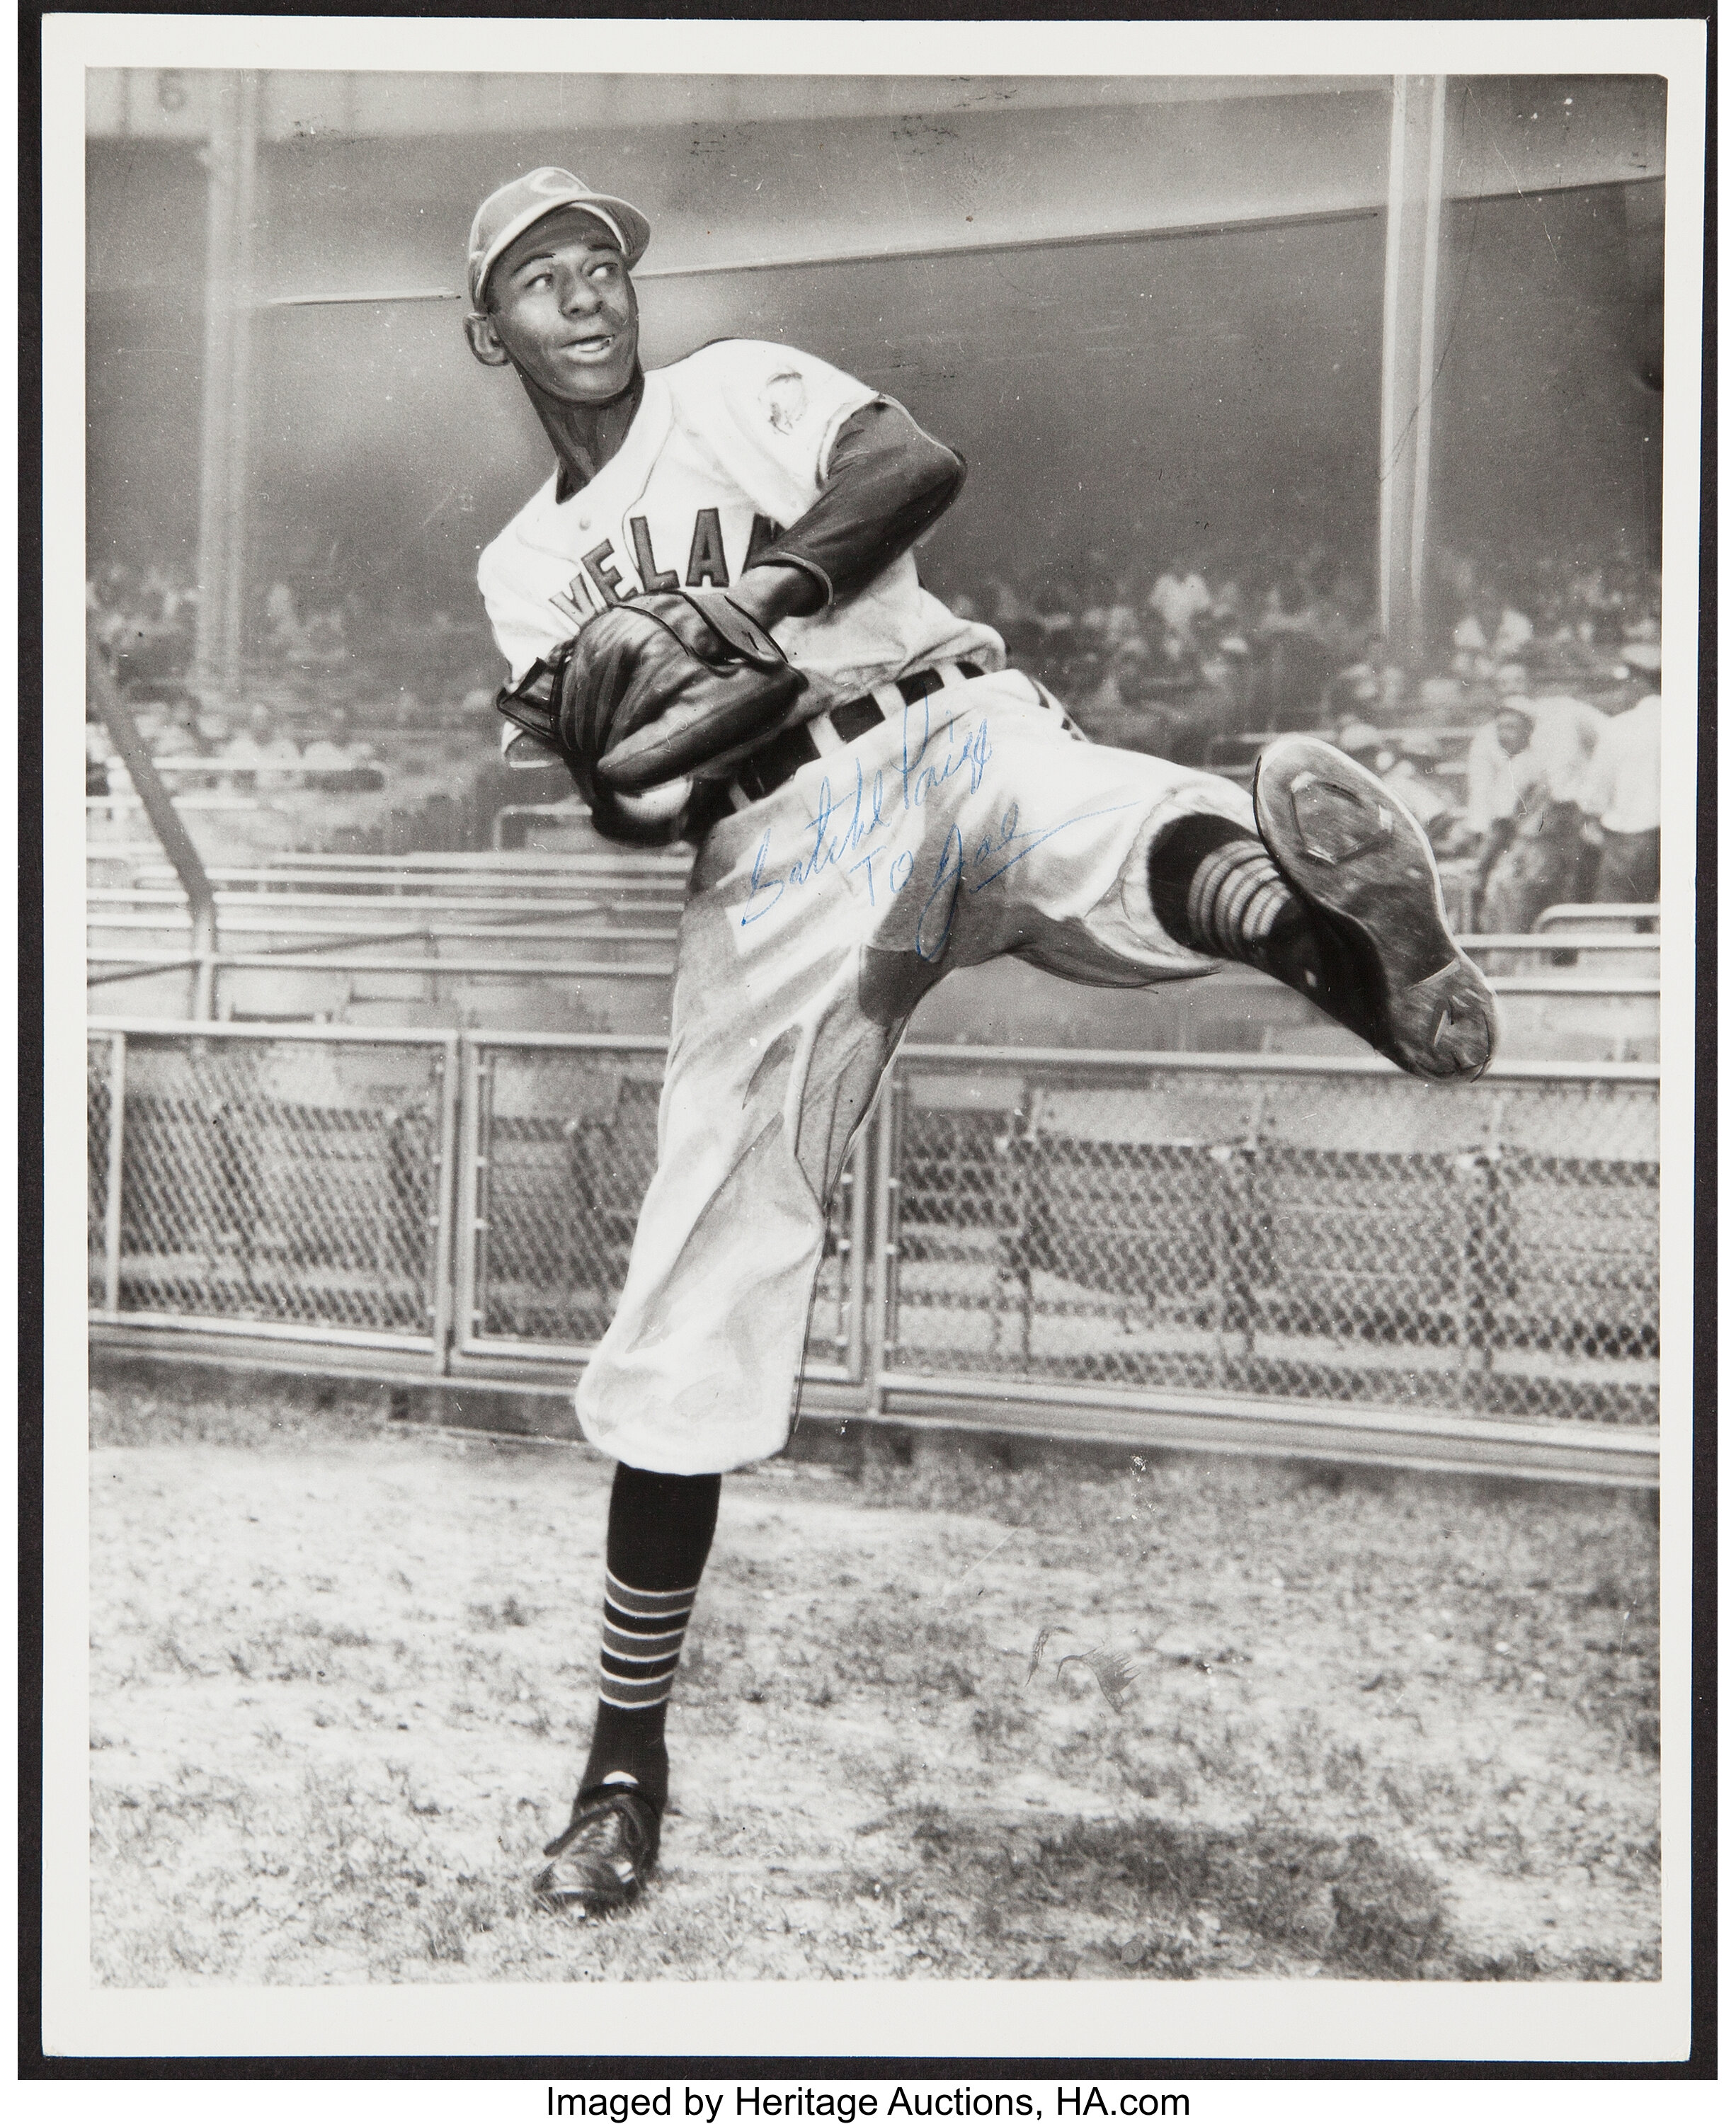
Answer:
[(924, 763), (852, 829), (950, 870), (867, 816), (918, 782)]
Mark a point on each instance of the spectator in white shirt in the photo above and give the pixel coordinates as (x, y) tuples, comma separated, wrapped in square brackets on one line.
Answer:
[(273, 757), (1122, 620), (1623, 793), (1508, 789), (1366, 746), (1121, 689), (335, 751), (1179, 597), (1512, 631), (1490, 632), (1565, 730), (1565, 737), (1504, 778)]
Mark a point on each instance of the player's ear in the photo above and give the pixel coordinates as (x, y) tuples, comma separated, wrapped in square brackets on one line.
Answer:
[(485, 341)]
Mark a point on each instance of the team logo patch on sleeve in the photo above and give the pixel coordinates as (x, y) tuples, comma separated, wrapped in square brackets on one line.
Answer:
[(784, 399)]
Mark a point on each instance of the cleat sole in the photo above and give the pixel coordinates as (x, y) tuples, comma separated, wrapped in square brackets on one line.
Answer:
[(1358, 859)]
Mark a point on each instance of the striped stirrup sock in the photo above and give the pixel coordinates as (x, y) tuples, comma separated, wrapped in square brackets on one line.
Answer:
[(1234, 900), (1214, 888), (660, 1534), (641, 1643)]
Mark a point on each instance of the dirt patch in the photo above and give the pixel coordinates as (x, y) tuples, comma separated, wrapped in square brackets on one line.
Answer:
[(343, 1671)]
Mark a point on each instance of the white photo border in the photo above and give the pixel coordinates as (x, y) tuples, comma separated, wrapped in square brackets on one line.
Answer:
[(1300, 2020)]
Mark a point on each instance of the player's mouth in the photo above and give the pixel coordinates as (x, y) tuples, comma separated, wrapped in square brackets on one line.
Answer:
[(590, 349)]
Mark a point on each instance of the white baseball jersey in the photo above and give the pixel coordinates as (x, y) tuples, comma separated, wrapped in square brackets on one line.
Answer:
[(727, 451)]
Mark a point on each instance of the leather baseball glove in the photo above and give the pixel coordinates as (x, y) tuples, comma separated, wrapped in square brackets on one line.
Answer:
[(662, 688), (674, 684)]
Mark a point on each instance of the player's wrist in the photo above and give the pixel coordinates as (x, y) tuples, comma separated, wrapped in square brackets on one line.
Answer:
[(778, 589)]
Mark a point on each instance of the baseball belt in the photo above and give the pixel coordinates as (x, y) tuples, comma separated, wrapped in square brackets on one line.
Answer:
[(773, 764)]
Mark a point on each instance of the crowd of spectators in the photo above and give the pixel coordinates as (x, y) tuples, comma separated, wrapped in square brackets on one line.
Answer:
[(335, 695), (1524, 734), (303, 643), (1179, 657), (144, 618), (211, 749)]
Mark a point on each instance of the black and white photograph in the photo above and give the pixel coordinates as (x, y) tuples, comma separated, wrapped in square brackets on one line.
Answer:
[(888, 892)]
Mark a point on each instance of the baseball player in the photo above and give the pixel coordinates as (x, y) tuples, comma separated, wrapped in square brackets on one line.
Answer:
[(711, 612)]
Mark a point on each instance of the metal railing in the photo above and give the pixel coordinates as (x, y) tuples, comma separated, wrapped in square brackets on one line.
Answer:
[(103, 694), (533, 957), (437, 965), (1578, 917), (1262, 1252), (371, 921), (120, 801), (366, 914), (558, 814), (449, 871), (107, 903)]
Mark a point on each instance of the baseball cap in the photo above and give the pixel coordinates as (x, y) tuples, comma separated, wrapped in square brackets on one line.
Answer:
[(505, 214)]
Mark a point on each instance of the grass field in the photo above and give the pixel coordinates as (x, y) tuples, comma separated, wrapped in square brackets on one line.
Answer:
[(342, 1673)]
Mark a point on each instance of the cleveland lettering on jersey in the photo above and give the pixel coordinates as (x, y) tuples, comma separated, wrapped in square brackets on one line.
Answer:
[(705, 483), (652, 577), (607, 580), (705, 561), (601, 583)]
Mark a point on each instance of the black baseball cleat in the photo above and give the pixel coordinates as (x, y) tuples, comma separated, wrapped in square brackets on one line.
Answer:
[(603, 1856), (1362, 868)]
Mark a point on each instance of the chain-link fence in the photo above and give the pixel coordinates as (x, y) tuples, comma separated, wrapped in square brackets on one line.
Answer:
[(274, 1183), (1245, 1233), (558, 1147), (1328, 1236), (104, 1095)]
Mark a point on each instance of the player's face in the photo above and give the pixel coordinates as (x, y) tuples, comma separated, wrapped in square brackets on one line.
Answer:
[(563, 308)]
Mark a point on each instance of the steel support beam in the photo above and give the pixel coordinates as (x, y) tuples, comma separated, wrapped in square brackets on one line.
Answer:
[(1409, 355), (232, 157), (159, 808), (240, 383)]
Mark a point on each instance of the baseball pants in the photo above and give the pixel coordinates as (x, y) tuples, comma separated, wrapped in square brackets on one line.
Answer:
[(975, 823)]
